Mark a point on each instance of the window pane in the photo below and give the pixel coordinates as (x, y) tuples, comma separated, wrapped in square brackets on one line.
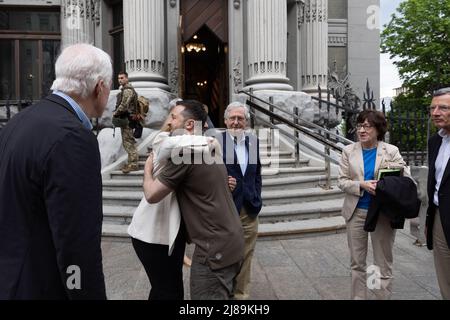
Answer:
[(29, 70), (50, 51), (30, 21), (7, 74), (119, 56)]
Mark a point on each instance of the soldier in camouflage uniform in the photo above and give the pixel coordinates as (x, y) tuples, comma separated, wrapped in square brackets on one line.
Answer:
[(126, 108)]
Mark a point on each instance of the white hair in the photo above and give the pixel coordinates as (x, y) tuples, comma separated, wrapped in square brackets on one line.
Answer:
[(235, 105), (80, 67), (173, 103)]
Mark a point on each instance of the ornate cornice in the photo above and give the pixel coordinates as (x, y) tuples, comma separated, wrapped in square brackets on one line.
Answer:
[(337, 40)]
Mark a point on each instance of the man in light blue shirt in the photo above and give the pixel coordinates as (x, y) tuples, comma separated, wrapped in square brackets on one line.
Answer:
[(438, 213)]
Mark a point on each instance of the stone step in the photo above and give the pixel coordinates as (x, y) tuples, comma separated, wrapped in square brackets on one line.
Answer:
[(271, 197), (280, 230), (302, 228), (289, 172), (283, 163), (299, 195), (118, 214), (297, 181), (307, 210), (123, 184), (277, 213), (267, 162), (266, 171), (122, 198), (269, 182), (265, 154), (134, 175)]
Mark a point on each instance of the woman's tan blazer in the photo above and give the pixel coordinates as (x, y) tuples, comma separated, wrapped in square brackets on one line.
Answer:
[(351, 171)]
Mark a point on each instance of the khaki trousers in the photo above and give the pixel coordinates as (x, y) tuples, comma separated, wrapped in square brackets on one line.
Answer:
[(441, 254), (250, 227), (382, 244)]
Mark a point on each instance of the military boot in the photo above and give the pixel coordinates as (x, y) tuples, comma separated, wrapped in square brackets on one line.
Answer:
[(130, 167)]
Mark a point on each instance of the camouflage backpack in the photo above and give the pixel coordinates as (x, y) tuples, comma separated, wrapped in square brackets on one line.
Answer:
[(143, 105)]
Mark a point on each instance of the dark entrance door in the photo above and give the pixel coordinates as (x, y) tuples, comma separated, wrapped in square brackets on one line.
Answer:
[(205, 40)]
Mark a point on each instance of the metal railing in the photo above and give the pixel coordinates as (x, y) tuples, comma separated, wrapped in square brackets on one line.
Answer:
[(8, 105), (330, 140), (409, 131)]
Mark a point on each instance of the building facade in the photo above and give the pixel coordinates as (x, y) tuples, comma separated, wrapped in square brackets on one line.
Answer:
[(205, 50)]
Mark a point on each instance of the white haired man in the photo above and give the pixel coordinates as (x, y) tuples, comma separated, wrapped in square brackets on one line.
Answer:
[(51, 187), (241, 157), (438, 214)]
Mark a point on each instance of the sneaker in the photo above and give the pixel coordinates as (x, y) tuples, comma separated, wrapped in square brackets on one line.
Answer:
[(130, 167)]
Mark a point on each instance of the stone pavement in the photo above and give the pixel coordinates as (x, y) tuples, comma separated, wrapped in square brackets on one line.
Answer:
[(313, 268)]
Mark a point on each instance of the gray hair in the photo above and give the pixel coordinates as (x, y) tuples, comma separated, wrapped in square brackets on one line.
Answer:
[(441, 92), (173, 103), (80, 67), (235, 105)]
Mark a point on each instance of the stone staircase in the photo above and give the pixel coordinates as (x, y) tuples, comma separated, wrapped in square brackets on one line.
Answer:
[(295, 204)]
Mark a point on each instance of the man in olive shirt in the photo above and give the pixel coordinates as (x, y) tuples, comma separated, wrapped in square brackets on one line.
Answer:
[(207, 208)]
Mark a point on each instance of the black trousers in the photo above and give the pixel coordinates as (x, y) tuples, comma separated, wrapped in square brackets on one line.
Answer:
[(164, 272)]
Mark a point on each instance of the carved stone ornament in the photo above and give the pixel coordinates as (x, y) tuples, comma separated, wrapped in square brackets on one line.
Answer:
[(300, 12), (237, 4), (96, 11), (173, 3), (237, 76), (173, 76)]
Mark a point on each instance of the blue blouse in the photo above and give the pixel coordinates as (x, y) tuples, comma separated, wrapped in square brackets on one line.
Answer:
[(369, 157)]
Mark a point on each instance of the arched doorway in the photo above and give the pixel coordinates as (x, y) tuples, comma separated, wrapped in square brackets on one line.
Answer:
[(205, 59)]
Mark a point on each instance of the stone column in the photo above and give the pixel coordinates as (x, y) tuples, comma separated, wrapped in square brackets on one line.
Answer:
[(267, 45), (173, 42), (78, 21), (313, 22), (144, 31), (236, 47)]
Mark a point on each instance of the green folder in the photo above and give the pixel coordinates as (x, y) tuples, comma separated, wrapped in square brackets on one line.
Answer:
[(389, 172)]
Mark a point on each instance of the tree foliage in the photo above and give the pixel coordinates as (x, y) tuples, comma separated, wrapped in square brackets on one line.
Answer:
[(418, 38)]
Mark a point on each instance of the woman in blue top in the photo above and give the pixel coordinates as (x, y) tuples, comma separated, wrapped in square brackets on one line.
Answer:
[(358, 170)]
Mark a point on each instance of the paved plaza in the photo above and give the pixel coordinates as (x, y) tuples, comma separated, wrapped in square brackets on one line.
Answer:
[(313, 268)]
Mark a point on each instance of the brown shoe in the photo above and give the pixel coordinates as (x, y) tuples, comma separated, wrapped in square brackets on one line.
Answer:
[(130, 167)]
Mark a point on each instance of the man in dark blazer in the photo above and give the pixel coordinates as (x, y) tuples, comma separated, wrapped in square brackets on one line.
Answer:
[(51, 188), (438, 213), (241, 157)]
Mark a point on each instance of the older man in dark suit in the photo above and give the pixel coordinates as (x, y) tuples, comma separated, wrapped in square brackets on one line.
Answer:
[(241, 156), (438, 214), (51, 188)]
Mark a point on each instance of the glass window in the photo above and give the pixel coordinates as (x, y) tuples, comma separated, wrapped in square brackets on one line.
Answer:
[(7, 75), (29, 70), (50, 51), (30, 21), (118, 42)]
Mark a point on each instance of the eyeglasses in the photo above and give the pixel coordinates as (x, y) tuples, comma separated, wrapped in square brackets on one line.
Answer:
[(443, 108), (239, 119), (365, 126)]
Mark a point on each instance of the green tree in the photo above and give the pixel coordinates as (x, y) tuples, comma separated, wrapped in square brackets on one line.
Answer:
[(418, 38)]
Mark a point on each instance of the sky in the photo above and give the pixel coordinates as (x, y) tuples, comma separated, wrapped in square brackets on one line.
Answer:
[(389, 78)]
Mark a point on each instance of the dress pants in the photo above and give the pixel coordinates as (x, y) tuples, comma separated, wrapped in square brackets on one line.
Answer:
[(441, 254), (382, 244), (164, 272), (250, 227)]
